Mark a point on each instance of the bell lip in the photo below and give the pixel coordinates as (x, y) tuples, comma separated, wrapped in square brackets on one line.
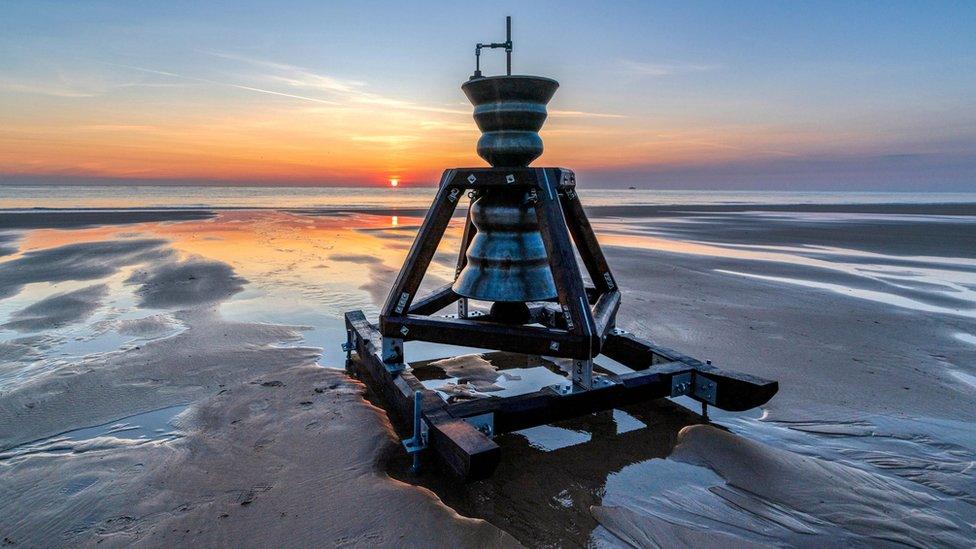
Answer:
[(509, 77), (478, 90)]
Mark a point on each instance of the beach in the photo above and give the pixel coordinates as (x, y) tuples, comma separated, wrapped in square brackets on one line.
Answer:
[(173, 375)]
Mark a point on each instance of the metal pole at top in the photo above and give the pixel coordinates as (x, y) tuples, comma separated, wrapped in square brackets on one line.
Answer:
[(508, 44)]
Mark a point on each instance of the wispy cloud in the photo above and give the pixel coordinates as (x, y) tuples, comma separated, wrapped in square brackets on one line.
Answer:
[(294, 76), (582, 114), (386, 139), (342, 90), (228, 84), (642, 68), (46, 89)]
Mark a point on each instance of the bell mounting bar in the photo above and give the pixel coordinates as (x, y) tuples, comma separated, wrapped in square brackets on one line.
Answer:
[(507, 44)]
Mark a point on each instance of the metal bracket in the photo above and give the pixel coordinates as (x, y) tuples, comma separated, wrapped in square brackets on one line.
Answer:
[(418, 441), (393, 355), (599, 382), (582, 373), (484, 423), (680, 384), (705, 389)]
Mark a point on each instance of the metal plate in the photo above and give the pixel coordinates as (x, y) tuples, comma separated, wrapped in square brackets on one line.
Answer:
[(484, 423), (705, 389), (680, 384)]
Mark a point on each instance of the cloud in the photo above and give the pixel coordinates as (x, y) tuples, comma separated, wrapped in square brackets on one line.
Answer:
[(641, 68), (342, 90), (229, 84), (386, 139), (297, 77), (45, 89), (582, 114)]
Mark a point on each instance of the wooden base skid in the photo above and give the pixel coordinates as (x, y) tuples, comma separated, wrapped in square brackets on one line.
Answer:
[(460, 433)]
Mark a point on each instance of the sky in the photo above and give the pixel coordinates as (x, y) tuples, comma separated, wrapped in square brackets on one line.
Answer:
[(849, 95)]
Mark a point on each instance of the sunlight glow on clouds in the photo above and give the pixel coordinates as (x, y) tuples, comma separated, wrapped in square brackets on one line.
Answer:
[(335, 94)]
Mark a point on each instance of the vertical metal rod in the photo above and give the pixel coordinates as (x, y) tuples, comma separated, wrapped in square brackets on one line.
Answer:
[(417, 435), (508, 42)]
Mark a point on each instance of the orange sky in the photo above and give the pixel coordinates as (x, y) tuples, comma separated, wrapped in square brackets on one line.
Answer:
[(331, 93)]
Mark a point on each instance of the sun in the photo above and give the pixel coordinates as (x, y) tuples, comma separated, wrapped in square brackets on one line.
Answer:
[(394, 182)]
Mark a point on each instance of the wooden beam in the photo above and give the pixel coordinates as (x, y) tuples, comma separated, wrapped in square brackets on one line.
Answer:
[(486, 335), (546, 405), (586, 242), (725, 389), (412, 272), (562, 261), (468, 452), (434, 301), (488, 178)]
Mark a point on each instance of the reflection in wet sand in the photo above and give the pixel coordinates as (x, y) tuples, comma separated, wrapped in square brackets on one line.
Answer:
[(255, 292), (935, 284)]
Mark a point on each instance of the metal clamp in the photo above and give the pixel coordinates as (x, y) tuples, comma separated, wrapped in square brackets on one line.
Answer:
[(418, 442)]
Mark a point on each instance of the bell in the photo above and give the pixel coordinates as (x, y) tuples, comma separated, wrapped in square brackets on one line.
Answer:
[(507, 260)]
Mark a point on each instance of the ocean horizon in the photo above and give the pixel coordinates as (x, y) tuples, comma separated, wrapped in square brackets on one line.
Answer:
[(21, 197)]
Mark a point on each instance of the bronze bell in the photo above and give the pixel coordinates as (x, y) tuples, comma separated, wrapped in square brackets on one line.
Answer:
[(507, 260)]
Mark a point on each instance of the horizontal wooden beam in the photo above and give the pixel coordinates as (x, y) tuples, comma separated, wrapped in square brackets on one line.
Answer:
[(486, 335), (487, 178), (725, 389)]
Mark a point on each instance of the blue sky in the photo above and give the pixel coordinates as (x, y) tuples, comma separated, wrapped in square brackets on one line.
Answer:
[(821, 95)]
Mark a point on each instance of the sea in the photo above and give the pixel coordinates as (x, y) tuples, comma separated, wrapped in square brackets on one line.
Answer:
[(149, 196)]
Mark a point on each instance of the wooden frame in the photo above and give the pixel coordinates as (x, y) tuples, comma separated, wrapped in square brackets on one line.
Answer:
[(578, 324), (471, 454)]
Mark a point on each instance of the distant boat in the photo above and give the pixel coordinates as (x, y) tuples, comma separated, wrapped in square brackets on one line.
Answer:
[(632, 188)]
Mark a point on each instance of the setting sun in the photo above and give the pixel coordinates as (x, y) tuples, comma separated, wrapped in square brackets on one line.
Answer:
[(394, 182)]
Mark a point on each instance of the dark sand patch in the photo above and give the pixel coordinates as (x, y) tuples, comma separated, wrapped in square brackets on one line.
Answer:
[(188, 283), (27, 348), (7, 245), (361, 259), (76, 219), (147, 327), (82, 261), (58, 310)]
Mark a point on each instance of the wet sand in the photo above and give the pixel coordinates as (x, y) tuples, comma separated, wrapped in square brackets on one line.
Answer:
[(863, 314)]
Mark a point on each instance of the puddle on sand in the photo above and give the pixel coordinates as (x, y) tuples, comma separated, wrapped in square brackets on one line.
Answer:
[(154, 426)]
